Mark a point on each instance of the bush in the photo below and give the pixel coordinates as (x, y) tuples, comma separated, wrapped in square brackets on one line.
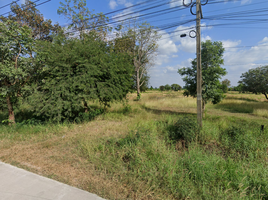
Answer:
[(88, 116), (185, 128)]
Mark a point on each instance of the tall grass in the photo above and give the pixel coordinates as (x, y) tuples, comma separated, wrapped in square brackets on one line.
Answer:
[(224, 162), (153, 149)]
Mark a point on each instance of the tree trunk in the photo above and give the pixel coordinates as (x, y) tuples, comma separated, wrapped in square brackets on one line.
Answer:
[(138, 83), (265, 95), (85, 106), (11, 115), (203, 106)]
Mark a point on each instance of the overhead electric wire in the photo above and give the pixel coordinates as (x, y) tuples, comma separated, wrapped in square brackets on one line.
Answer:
[(168, 10), (21, 7), (233, 16), (237, 6), (131, 14), (9, 4)]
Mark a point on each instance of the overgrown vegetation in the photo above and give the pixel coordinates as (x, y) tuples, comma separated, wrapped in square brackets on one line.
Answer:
[(149, 149)]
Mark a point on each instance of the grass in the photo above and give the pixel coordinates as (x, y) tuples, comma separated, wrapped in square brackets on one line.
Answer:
[(144, 149)]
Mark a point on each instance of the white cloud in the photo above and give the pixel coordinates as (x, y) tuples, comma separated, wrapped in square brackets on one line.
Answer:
[(174, 3), (125, 14), (245, 1), (112, 4), (265, 40), (228, 45), (238, 61), (187, 43), (169, 69), (166, 47), (249, 56)]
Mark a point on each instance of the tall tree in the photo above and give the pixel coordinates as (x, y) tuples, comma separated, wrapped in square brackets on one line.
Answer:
[(16, 62), (81, 18), (145, 38), (212, 59), (29, 15), (76, 71), (255, 81), (144, 81)]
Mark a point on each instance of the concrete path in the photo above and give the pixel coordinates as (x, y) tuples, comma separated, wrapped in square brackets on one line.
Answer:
[(19, 184)]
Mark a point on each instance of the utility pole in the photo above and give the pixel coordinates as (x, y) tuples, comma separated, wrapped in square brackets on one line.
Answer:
[(198, 58)]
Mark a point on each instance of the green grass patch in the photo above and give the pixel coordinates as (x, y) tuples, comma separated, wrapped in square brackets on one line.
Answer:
[(148, 156)]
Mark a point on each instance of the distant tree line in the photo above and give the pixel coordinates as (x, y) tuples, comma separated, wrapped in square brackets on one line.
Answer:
[(167, 87)]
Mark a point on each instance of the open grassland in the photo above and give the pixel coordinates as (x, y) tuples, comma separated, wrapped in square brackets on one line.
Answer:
[(151, 149)]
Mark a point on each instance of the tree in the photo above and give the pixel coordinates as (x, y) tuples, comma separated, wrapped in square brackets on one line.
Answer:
[(226, 82), (76, 71), (144, 80), (145, 38), (212, 59), (16, 62), (255, 81), (224, 88), (162, 88), (167, 87), (27, 14), (81, 18), (175, 87)]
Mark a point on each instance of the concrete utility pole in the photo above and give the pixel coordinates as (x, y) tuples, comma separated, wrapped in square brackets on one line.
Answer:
[(198, 58)]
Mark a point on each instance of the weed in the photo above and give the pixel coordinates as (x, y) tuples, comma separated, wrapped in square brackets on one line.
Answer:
[(185, 128)]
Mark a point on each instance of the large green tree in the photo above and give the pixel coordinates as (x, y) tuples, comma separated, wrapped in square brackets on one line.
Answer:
[(255, 81), (76, 71), (212, 59), (16, 62)]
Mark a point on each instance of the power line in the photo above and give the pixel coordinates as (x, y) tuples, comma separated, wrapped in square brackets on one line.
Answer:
[(9, 4), (21, 7)]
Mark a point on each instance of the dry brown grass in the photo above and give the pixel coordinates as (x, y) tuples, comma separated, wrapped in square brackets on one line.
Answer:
[(58, 155)]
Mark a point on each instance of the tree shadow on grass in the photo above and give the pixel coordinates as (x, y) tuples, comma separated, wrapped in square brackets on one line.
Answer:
[(170, 112), (242, 99), (247, 107)]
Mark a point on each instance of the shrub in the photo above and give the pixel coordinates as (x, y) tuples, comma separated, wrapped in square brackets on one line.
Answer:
[(185, 128)]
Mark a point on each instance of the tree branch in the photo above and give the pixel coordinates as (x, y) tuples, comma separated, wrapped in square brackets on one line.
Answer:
[(16, 59)]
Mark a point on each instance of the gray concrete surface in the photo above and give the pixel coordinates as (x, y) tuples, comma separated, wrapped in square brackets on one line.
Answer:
[(19, 184)]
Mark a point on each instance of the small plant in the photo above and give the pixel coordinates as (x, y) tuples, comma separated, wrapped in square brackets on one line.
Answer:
[(127, 109), (6, 121), (138, 96), (88, 116), (185, 128)]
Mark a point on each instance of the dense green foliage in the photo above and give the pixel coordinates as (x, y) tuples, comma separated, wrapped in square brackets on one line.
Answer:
[(256, 81), (75, 71), (212, 59), (167, 87), (176, 87), (16, 62)]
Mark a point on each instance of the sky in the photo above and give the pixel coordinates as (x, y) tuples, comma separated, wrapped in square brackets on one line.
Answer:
[(241, 25)]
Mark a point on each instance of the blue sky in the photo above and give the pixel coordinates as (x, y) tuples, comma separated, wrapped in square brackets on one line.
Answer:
[(244, 36)]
